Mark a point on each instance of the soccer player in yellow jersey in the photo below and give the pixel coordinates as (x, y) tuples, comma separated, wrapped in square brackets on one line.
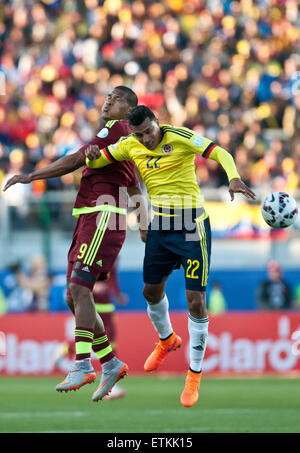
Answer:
[(179, 234)]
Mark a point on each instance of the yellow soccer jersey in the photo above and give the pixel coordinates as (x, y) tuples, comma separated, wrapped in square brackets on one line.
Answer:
[(168, 171)]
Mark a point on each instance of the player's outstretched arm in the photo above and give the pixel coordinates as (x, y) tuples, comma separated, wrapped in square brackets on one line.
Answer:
[(23, 179), (60, 167), (236, 185)]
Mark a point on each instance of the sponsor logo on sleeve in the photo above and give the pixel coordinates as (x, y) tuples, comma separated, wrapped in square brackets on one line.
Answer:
[(103, 133), (198, 141)]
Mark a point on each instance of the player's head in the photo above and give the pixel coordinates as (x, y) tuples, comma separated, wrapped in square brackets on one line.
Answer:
[(145, 126), (118, 102)]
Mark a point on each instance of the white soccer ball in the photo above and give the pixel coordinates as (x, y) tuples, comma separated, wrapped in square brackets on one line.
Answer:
[(279, 210)]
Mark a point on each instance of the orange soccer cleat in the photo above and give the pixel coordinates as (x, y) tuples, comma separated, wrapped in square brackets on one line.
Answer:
[(162, 348), (190, 393)]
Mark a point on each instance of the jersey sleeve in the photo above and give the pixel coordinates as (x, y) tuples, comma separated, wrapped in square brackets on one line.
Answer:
[(110, 154), (225, 159), (117, 152), (201, 145), (210, 150)]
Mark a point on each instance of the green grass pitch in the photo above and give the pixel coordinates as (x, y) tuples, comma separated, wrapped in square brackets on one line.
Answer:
[(231, 405)]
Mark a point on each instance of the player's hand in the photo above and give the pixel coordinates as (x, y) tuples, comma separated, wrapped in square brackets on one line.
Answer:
[(238, 186), (143, 234), (92, 152), (23, 179)]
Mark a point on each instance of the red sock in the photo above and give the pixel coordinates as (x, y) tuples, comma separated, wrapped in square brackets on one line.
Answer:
[(83, 342), (102, 348)]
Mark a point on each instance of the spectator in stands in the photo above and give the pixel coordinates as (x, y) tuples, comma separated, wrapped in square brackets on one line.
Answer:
[(274, 293), (3, 304), (227, 68), (28, 291), (17, 298), (297, 296), (216, 301)]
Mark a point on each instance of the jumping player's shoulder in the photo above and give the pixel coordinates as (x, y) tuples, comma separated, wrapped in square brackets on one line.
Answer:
[(182, 132), (112, 131), (120, 125)]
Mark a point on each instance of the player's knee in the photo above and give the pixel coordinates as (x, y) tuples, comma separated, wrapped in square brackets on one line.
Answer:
[(196, 303), (153, 293)]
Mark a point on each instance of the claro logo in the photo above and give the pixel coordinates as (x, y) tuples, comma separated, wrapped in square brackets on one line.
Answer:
[(223, 353), (2, 343), (31, 356), (296, 344)]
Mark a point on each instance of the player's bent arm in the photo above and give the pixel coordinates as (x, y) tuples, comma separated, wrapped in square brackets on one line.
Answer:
[(225, 159), (97, 162)]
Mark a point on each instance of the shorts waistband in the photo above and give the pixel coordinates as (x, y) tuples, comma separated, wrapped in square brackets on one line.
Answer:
[(104, 207), (192, 212)]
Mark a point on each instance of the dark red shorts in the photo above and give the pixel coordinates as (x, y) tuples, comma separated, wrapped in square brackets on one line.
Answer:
[(97, 241)]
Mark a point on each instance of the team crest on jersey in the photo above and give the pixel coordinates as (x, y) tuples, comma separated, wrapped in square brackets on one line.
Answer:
[(167, 149), (103, 133)]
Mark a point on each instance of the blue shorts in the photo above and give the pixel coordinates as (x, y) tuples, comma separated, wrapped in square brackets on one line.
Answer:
[(169, 249)]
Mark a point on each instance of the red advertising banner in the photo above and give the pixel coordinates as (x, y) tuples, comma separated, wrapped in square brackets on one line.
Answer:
[(238, 342)]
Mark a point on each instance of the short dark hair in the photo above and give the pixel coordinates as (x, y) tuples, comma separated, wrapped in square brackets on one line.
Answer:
[(138, 114), (130, 95)]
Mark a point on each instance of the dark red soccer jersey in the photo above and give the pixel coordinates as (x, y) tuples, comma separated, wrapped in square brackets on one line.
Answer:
[(107, 180)]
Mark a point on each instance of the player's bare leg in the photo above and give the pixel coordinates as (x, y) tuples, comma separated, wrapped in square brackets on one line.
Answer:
[(82, 371), (84, 307), (198, 331), (196, 301), (90, 333), (158, 312), (99, 327)]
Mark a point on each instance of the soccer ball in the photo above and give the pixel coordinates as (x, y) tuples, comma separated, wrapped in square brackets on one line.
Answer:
[(279, 210)]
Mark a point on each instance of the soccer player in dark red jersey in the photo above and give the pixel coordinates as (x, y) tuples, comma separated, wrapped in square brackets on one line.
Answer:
[(98, 237)]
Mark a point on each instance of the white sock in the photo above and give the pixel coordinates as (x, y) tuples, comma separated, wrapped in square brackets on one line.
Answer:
[(159, 315), (198, 331)]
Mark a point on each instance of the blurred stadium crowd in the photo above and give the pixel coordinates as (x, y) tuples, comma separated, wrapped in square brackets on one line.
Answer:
[(228, 69)]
